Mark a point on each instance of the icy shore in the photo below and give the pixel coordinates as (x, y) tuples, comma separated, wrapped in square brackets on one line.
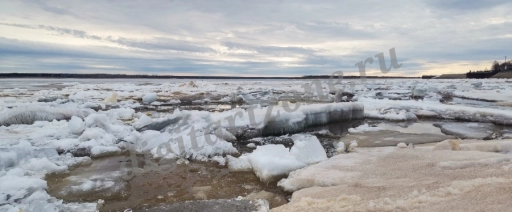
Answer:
[(395, 179)]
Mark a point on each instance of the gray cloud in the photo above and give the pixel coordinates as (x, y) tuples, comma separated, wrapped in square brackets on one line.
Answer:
[(248, 37), (44, 5), (62, 31), (163, 44), (462, 5)]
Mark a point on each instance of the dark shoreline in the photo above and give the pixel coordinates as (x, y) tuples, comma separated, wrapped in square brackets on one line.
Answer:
[(123, 76)]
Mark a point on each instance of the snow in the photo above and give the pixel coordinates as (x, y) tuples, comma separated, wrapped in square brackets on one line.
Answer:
[(401, 145), (76, 125), (364, 128), (219, 159), (92, 105), (22, 187), (96, 136), (43, 165), (340, 147), (20, 192), (239, 164), (224, 134), (352, 146), (391, 114), (142, 121), (174, 101), (251, 145), (113, 127), (121, 113), (14, 155), (100, 151)]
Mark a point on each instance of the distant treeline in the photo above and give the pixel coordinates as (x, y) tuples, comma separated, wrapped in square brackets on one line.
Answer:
[(495, 68), (428, 76), (142, 76), (125, 76), (352, 77)]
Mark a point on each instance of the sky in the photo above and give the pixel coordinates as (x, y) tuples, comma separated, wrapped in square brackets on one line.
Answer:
[(252, 38)]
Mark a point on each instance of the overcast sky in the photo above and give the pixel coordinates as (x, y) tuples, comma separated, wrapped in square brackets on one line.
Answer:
[(252, 38)]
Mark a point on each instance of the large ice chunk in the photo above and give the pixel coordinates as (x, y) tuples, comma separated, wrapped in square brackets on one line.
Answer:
[(142, 121), (149, 98), (270, 162), (239, 164), (307, 149), (276, 121), (419, 91)]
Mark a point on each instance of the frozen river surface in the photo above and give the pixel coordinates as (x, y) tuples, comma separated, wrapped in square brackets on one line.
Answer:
[(149, 145)]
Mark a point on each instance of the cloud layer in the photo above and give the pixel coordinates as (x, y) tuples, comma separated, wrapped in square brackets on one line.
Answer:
[(251, 38)]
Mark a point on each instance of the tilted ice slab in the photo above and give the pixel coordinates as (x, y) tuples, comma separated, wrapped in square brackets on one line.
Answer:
[(29, 115), (262, 121), (497, 94), (466, 130), (278, 121), (391, 138), (457, 112)]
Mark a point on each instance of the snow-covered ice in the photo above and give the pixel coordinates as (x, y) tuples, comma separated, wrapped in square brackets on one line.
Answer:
[(42, 128), (391, 179)]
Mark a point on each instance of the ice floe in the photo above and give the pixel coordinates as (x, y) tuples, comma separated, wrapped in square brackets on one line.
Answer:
[(272, 161)]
